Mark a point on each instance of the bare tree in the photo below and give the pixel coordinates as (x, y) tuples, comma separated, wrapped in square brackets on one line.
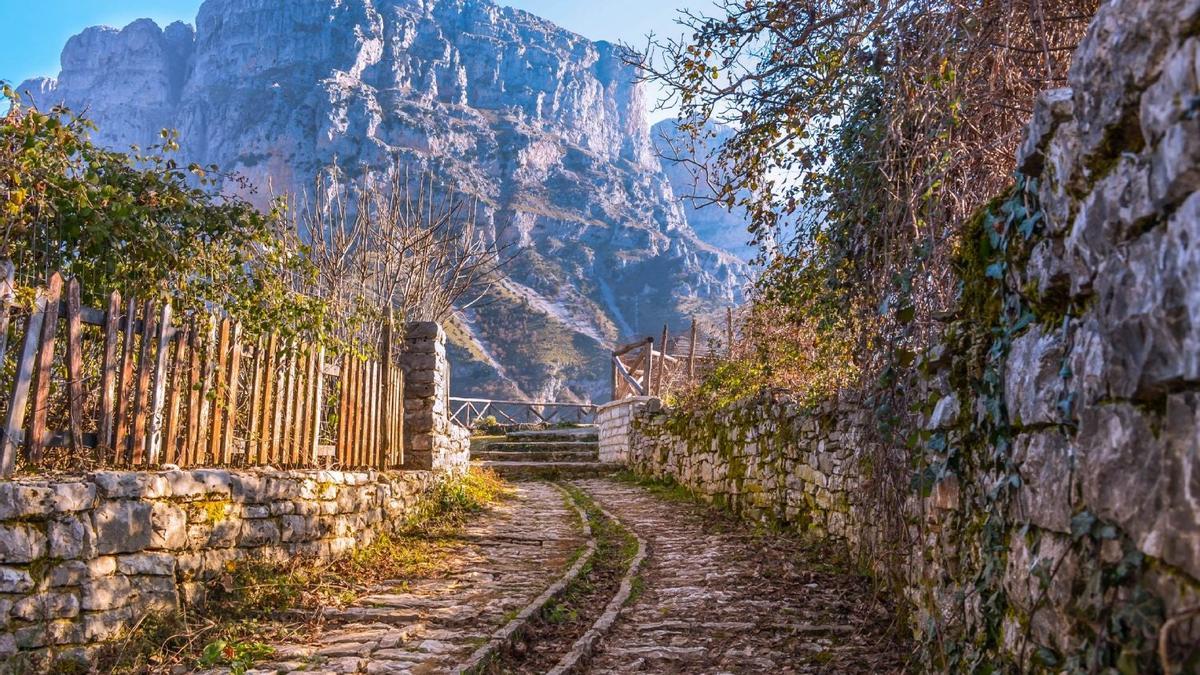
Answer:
[(399, 239)]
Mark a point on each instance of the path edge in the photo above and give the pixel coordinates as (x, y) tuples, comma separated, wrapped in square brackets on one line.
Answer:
[(585, 646), (507, 635)]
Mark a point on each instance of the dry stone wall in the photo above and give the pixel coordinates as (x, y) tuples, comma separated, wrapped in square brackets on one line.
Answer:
[(613, 421), (83, 559), (432, 440), (1053, 517), (760, 458)]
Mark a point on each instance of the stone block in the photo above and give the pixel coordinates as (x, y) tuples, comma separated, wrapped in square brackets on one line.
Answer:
[(168, 526), (1120, 466), (49, 634), (1175, 534), (105, 593), (72, 497), (154, 564), (1034, 385), (258, 533), (67, 573), (1052, 108), (122, 526), (70, 537), (21, 543), (105, 625), (23, 500), (1044, 463), (46, 606), (154, 594), (1175, 164), (132, 484)]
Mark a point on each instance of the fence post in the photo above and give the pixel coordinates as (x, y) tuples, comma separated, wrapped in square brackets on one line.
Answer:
[(159, 396), (662, 363), (21, 383), (108, 378), (692, 355), (35, 441), (648, 350), (75, 366), (387, 390), (8, 293)]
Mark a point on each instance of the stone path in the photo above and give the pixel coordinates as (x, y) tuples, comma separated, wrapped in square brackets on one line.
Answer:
[(728, 602), (512, 554)]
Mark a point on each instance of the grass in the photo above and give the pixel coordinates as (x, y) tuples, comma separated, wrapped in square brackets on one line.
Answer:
[(255, 603)]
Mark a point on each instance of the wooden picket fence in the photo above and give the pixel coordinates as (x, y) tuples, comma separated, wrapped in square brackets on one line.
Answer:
[(196, 394)]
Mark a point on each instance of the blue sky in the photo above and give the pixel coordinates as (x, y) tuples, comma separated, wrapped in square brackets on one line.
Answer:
[(36, 30)]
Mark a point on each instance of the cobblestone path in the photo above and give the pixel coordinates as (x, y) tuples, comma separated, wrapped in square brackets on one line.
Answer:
[(512, 554), (718, 599)]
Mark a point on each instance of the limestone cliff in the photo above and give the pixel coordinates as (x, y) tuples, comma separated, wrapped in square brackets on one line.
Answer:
[(547, 127)]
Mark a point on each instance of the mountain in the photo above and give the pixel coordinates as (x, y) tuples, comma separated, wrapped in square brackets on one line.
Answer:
[(546, 127)]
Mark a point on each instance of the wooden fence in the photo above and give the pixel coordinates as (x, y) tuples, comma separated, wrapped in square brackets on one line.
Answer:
[(468, 411), (638, 369), (200, 393)]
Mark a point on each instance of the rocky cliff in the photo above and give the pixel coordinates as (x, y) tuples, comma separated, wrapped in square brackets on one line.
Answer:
[(546, 127)]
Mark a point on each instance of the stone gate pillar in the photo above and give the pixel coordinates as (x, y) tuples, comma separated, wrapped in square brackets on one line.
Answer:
[(431, 440)]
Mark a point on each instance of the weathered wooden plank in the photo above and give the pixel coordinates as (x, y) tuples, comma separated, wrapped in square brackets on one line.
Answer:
[(231, 393), (194, 394), (386, 380), (22, 381), (278, 447), (141, 401), (109, 368), (8, 295), (356, 416), (206, 394), (400, 446), (289, 403), (318, 405), (257, 380), (296, 430), (662, 363), (648, 373), (74, 367), (216, 426), (125, 386), (158, 395), (692, 355), (374, 408), (172, 438), (342, 442), (267, 424), (308, 405), (35, 440)]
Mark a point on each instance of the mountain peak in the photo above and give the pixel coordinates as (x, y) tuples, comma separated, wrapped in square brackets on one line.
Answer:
[(547, 128)]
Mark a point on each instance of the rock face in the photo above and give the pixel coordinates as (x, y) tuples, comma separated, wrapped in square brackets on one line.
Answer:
[(546, 127)]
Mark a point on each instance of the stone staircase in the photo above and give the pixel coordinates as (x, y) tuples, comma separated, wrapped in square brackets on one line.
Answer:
[(544, 455)]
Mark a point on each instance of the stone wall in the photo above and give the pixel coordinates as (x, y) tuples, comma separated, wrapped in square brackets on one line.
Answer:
[(760, 458), (613, 421), (1053, 518), (82, 559), (432, 439)]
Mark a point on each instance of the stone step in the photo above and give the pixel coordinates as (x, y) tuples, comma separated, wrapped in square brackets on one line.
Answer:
[(570, 434), (539, 446), (538, 456), (550, 470)]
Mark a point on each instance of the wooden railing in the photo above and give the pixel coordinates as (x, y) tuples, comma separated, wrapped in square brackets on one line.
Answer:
[(137, 390), (638, 369), (468, 411)]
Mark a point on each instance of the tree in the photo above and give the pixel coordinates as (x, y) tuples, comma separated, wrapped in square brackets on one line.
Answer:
[(396, 239), (865, 134), (141, 223)]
